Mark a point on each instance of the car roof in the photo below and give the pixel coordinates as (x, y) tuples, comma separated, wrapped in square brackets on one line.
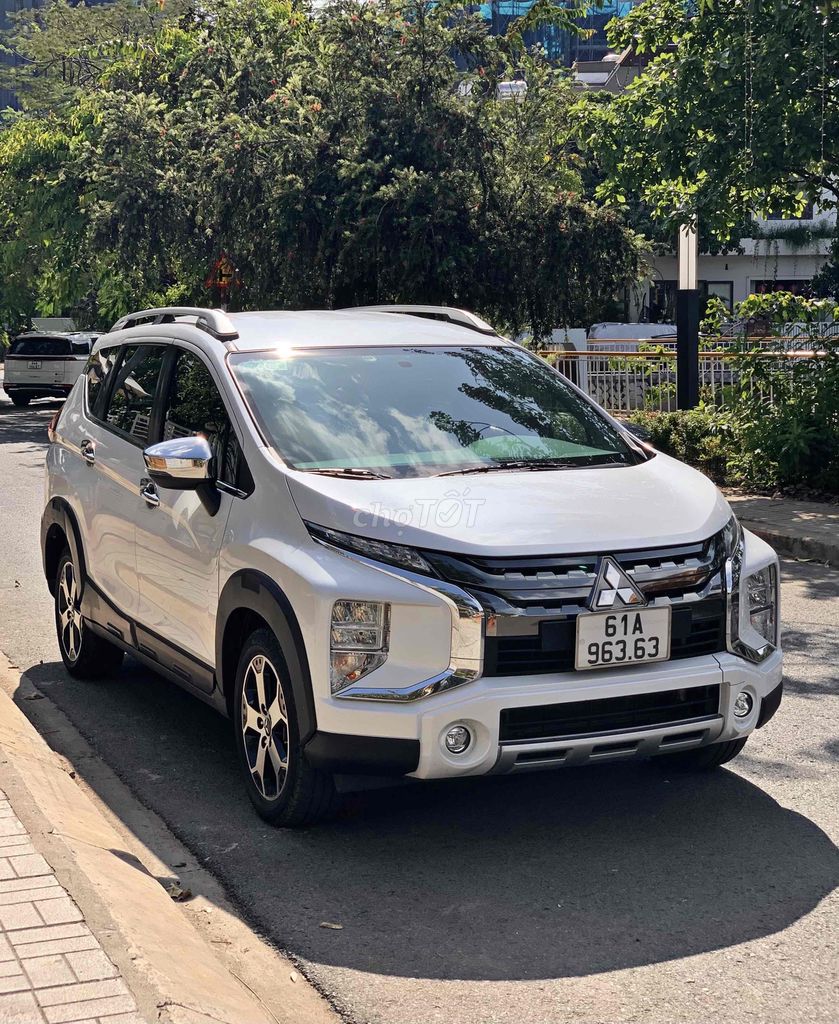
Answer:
[(69, 335), (350, 328)]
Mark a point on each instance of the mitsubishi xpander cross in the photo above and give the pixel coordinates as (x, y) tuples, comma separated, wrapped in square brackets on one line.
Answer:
[(388, 541)]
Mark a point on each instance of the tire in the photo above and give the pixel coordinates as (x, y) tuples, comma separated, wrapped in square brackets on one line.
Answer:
[(20, 400), (702, 759), (283, 787), (85, 655)]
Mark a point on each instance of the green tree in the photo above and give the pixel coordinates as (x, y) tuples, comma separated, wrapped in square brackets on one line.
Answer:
[(735, 113), (65, 49), (351, 155)]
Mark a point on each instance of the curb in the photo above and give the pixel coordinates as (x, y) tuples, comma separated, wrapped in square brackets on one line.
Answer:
[(793, 544), (175, 975)]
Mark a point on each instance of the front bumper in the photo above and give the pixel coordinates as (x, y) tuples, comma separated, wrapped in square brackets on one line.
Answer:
[(480, 706), (481, 711)]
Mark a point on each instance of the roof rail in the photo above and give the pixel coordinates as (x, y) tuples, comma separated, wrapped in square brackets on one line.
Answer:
[(460, 317), (213, 321)]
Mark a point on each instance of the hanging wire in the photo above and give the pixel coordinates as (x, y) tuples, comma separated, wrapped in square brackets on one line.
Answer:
[(748, 60), (824, 89)]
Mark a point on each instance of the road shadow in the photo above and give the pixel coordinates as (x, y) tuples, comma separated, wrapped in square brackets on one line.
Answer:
[(27, 425), (553, 875), (819, 581)]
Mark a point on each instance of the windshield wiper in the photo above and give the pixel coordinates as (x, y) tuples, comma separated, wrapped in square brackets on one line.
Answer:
[(536, 464), (355, 472)]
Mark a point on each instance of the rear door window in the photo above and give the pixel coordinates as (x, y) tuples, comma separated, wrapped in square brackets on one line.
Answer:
[(132, 397), (40, 347)]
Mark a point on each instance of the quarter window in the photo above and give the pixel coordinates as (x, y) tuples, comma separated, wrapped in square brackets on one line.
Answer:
[(132, 397), (98, 367), (196, 407)]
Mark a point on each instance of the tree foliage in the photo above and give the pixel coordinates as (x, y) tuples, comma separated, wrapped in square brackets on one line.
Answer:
[(352, 154), (736, 112)]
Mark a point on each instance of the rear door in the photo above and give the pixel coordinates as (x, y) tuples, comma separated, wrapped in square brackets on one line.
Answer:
[(178, 542), (119, 426)]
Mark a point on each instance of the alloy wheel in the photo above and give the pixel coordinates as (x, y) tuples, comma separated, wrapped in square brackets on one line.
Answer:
[(69, 613), (265, 727)]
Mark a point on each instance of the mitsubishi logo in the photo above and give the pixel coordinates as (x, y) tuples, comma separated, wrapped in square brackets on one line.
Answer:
[(613, 588)]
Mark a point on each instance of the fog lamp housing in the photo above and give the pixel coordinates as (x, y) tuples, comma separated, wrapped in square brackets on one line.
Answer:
[(359, 639), (458, 739), (743, 704)]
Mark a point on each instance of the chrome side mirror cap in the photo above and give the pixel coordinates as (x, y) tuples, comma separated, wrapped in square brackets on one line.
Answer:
[(182, 463)]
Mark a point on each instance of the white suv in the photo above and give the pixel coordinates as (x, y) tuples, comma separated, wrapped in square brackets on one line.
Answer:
[(387, 541)]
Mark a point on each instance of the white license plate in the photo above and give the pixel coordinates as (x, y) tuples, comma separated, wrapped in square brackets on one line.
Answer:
[(34, 364), (622, 638)]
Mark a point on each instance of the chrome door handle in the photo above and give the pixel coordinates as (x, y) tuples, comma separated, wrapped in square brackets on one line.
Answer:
[(148, 492), (88, 450)]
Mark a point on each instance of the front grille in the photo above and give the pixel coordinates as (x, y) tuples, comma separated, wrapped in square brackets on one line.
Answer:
[(587, 717), (547, 582), (696, 628)]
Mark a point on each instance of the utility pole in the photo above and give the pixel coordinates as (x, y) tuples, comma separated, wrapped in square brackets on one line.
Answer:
[(687, 321)]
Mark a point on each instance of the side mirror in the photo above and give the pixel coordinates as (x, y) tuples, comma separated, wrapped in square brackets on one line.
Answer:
[(182, 464)]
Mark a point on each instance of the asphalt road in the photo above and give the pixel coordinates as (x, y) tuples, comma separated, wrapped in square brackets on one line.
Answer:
[(611, 894)]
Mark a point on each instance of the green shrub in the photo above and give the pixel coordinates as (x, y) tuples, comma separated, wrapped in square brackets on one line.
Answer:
[(791, 440), (701, 437), (794, 439)]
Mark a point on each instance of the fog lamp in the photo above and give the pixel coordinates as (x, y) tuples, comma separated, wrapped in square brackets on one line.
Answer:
[(743, 705), (359, 637), (458, 739)]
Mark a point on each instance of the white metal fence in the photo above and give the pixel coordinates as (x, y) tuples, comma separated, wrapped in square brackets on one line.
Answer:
[(625, 379)]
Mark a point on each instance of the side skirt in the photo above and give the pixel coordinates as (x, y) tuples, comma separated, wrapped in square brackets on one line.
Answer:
[(152, 650)]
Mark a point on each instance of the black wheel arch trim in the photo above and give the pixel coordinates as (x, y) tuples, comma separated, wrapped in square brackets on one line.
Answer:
[(362, 755), (770, 704), (254, 591), (60, 513)]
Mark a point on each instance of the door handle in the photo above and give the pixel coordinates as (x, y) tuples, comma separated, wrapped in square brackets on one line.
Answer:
[(88, 450), (148, 492)]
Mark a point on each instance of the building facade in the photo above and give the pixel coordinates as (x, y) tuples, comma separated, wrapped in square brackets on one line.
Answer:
[(562, 47)]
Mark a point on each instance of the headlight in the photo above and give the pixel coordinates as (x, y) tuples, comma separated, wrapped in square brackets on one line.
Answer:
[(378, 550), (762, 588), (731, 535), (358, 642)]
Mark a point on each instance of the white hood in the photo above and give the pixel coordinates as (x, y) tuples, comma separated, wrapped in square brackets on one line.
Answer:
[(598, 509)]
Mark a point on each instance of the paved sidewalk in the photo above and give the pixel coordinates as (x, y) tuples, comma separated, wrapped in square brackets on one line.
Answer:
[(803, 529), (52, 968)]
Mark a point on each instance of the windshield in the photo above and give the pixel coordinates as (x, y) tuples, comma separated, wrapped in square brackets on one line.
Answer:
[(422, 411)]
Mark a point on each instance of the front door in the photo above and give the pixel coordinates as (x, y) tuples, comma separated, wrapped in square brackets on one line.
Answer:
[(179, 540)]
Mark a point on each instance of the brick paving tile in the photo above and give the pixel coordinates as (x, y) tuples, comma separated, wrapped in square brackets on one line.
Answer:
[(10, 842), (34, 864), (84, 990), (99, 1007), (58, 911), (44, 887), (52, 968), (19, 1008), (90, 965), (48, 970), (70, 945), (58, 931)]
